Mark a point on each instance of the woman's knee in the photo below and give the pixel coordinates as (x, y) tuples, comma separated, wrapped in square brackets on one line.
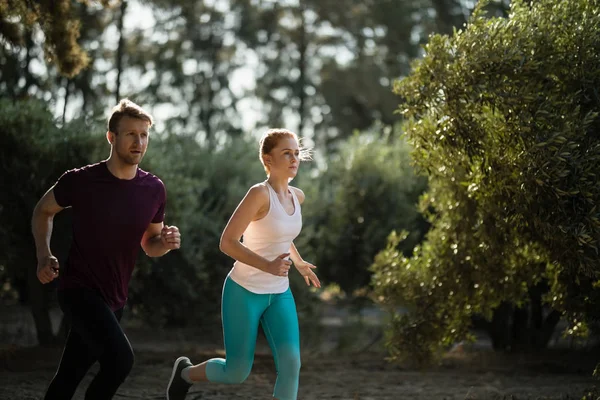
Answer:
[(289, 361), (238, 373)]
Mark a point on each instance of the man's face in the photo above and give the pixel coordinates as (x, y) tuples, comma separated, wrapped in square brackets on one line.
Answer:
[(131, 140)]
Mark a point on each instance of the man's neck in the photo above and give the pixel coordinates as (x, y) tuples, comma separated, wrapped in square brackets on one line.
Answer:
[(121, 170)]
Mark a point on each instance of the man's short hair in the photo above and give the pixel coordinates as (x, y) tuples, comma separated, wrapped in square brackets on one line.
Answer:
[(127, 108)]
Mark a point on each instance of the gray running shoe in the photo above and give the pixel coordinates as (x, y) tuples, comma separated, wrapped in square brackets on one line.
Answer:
[(178, 387)]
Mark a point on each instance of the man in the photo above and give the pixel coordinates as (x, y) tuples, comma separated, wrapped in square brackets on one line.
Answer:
[(116, 207)]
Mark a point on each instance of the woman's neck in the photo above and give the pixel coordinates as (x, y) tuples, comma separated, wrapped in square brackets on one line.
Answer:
[(280, 185)]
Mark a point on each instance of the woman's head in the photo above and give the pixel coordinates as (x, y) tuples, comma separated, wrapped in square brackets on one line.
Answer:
[(281, 149)]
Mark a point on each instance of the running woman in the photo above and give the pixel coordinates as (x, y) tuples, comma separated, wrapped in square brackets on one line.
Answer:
[(256, 291)]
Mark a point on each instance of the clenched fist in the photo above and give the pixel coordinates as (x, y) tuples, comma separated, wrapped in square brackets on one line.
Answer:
[(47, 269), (280, 265), (170, 237)]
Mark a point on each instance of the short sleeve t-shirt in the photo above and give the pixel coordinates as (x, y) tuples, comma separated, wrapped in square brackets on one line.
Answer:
[(110, 216)]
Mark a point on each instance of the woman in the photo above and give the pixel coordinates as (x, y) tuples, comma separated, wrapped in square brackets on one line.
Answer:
[(257, 288)]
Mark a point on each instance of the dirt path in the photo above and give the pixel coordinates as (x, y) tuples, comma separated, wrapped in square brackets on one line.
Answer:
[(336, 365), (25, 372)]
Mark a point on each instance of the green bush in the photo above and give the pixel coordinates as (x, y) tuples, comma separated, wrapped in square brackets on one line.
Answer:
[(34, 152), (365, 191), (504, 119), (203, 189)]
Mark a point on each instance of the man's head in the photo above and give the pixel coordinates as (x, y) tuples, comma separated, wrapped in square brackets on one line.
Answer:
[(128, 132)]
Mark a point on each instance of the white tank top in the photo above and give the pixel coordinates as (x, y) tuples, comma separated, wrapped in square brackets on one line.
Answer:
[(268, 237)]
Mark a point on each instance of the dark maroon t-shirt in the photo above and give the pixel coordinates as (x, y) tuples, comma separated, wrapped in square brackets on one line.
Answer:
[(110, 216)]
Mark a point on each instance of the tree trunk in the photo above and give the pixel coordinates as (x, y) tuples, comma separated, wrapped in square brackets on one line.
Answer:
[(120, 50), (67, 93), (521, 339), (29, 80), (523, 328), (499, 327), (543, 327), (302, 66), (207, 95)]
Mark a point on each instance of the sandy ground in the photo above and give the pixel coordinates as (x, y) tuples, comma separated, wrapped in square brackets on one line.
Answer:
[(349, 372)]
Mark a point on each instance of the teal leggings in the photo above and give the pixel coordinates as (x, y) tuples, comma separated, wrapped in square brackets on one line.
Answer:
[(241, 311)]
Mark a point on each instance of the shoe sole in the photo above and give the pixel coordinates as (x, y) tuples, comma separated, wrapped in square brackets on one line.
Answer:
[(173, 373)]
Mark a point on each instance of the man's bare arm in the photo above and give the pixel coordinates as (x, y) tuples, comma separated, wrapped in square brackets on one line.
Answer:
[(41, 225), (159, 239)]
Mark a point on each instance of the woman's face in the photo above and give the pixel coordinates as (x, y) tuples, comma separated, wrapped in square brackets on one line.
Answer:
[(284, 158)]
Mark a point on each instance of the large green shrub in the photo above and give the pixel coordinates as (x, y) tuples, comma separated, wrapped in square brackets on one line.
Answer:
[(504, 119)]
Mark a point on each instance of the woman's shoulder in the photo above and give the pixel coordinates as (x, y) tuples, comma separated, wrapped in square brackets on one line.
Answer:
[(258, 191), (299, 193)]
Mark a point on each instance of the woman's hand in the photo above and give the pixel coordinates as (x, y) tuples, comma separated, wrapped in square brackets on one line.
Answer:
[(306, 270), (279, 266)]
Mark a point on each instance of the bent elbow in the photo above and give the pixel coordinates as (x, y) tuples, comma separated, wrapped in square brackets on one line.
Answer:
[(146, 251), (34, 215), (39, 214), (225, 245)]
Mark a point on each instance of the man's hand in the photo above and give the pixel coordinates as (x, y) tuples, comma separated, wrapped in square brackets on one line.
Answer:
[(170, 237), (47, 269)]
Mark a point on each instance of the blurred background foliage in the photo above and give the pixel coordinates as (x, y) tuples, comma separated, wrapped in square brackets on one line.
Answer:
[(470, 133)]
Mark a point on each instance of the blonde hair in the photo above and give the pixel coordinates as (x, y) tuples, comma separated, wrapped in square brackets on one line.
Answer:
[(127, 108), (270, 139)]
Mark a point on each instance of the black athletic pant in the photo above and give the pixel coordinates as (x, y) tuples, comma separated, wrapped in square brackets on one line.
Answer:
[(95, 335)]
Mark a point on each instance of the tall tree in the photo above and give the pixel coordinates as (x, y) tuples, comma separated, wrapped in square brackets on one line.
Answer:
[(120, 49), (189, 58), (24, 70), (330, 67), (380, 41), (505, 123), (57, 21)]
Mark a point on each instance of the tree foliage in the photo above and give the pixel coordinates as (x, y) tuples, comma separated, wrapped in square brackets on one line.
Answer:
[(367, 190), (188, 59), (327, 66), (203, 188), (34, 152), (58, 22), (218, 68), (504, 119)]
